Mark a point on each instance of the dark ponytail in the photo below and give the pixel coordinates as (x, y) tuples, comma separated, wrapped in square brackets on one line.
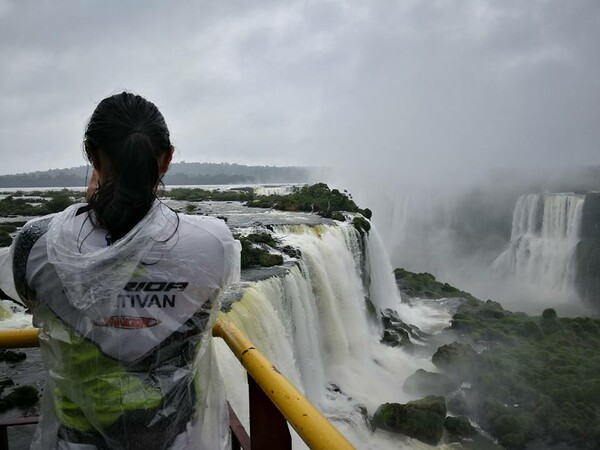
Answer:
[(125, 139)]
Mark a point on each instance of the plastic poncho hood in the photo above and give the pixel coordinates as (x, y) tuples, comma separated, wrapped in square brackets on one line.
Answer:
[(100, 274)]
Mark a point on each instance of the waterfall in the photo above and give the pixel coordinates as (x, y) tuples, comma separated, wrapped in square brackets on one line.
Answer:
[(545, 232), (275, 190), (383, 289), (313, 324)]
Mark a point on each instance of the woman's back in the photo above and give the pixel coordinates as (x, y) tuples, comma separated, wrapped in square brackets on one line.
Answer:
[(124, 291), (122, 363)]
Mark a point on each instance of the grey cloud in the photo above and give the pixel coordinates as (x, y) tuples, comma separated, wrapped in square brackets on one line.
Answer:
[(399, 87)]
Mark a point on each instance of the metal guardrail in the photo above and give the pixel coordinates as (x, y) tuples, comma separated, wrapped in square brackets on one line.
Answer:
[(274, 401)]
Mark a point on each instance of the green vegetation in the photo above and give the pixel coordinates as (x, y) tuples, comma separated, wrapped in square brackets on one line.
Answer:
[(14, 224), (5, 239), (422, 419), (538, 378), (317, 198), (11, 356), (52, 201), (361, 224), (255, 250), (19, 397), (199, 195), (8, 228), (459, 426), (18, 204), (59, 201), (339, 216), (424, 285)]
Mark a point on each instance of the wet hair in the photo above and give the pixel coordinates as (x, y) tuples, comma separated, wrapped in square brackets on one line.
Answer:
[(125, 139)]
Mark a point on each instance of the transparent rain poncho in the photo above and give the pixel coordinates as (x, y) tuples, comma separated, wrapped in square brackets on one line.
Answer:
[(126, 329)]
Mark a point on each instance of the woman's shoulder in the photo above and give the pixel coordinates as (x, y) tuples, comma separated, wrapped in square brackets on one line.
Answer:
[(207, 224), (205, 238), (34, 229)]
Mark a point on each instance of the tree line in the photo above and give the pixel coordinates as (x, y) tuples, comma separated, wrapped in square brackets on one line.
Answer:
[(182, 173)]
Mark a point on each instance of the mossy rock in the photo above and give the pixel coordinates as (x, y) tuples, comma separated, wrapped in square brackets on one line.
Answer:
[(458, 360), (291, 251), (366, 212), (11, 356), (424, 285), (361, 224), (396, 338), (391, 321), (4, 383), (261, 238), (549, 322), (21, 397), (460, 426), (422, 419), (428, 383), (5, 239), (255, 251), (338, 215), (270, 259)]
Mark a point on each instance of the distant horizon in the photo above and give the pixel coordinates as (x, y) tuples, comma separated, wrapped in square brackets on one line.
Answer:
[(180, 174), (172, 164)]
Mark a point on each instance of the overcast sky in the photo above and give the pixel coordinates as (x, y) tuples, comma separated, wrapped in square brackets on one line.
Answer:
[(401, 86)]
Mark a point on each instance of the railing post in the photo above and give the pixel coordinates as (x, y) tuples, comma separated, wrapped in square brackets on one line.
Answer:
[(4, 437), (268, 427), (239, 437)]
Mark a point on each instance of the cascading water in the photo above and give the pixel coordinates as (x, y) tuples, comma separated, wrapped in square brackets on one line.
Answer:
[(313, 324), (275, 190), (545, 232), (382, 286)]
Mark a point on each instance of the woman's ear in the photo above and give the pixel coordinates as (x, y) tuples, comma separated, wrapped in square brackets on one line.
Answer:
[(165, 160), (92, 186)]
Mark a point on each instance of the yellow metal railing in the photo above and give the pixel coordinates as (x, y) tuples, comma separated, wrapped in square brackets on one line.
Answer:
[(273, 399), (19, 338), (309, 423)]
